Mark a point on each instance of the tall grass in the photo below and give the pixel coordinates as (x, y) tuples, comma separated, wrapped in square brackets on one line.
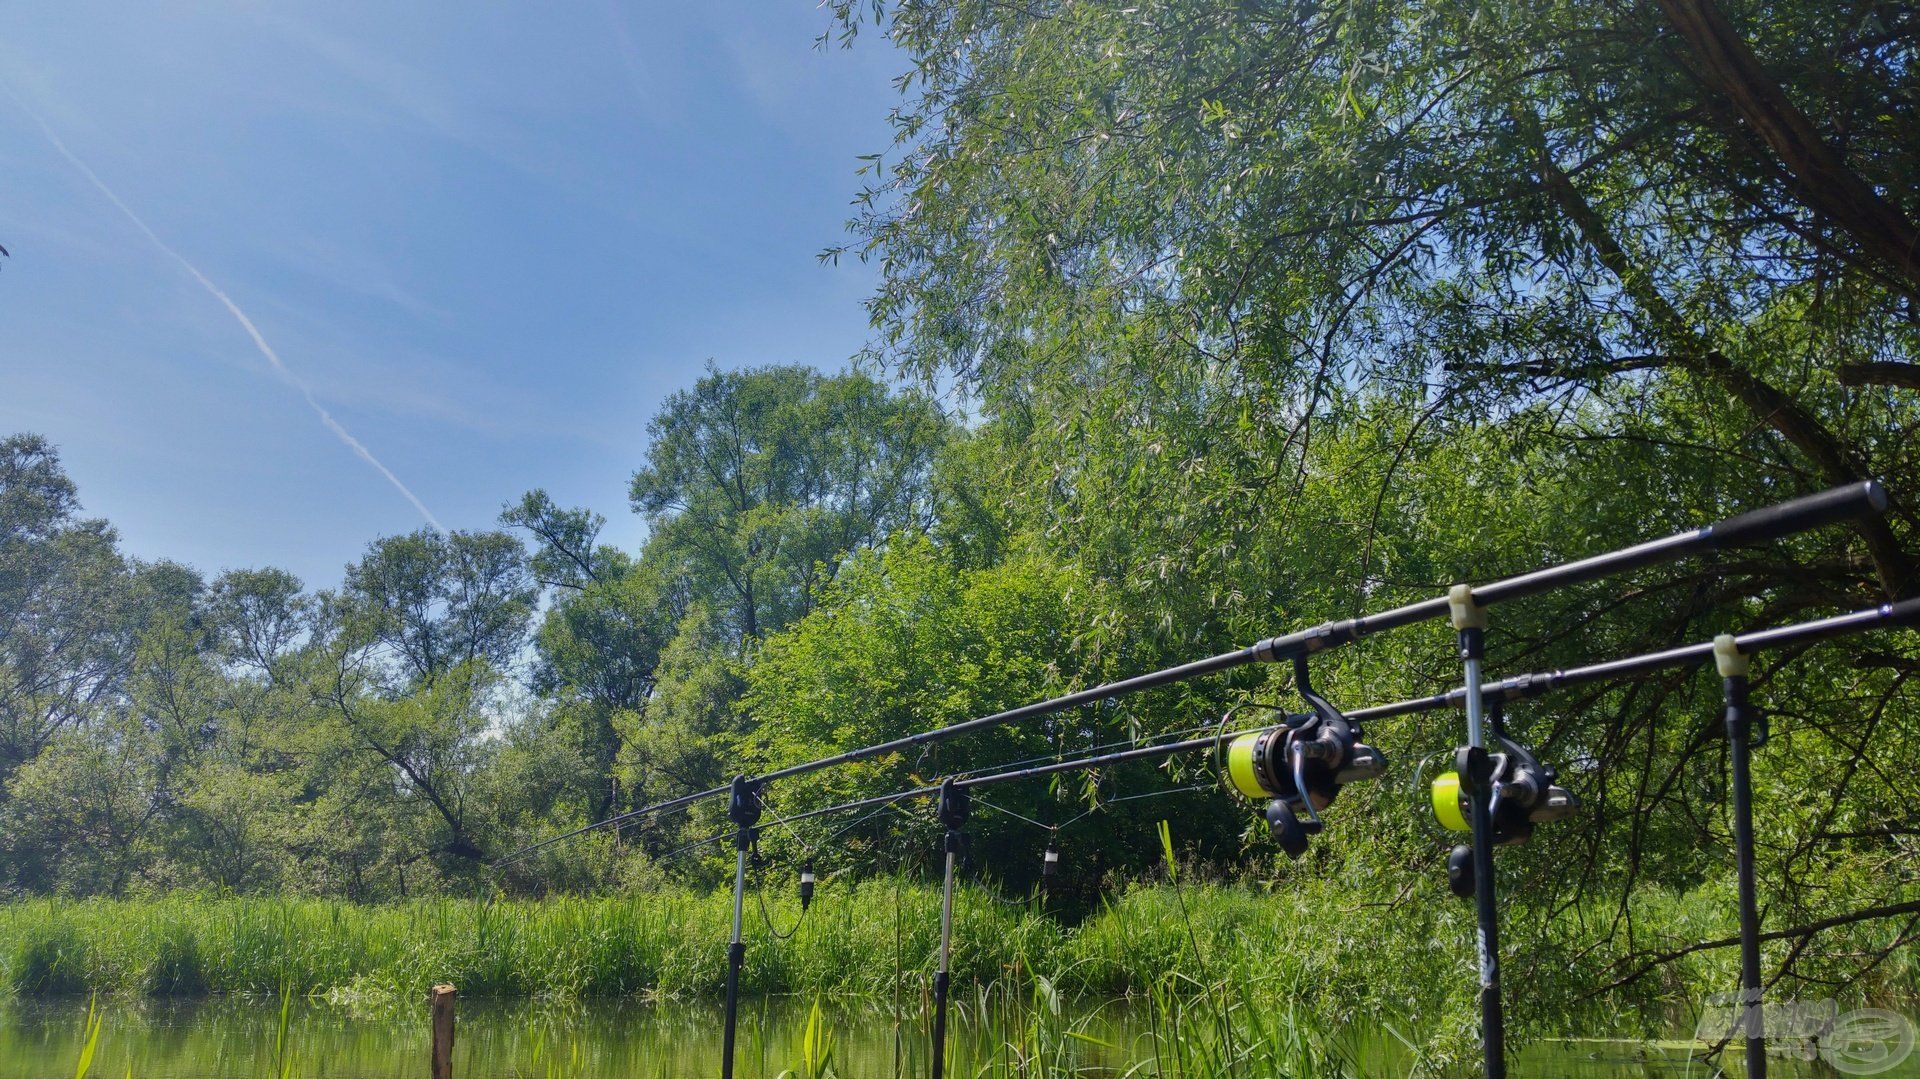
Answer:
[(668, 944), (1235, 980)]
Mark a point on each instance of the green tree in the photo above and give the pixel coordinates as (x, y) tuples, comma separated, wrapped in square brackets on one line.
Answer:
[(906, 641), (757, 485), (759, 482), (429, 602), (66, 623), (411, 655), (600, 643), (1294, 311), (85, 816)]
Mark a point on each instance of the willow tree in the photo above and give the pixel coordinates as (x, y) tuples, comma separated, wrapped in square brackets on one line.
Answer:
[(1295, 308)]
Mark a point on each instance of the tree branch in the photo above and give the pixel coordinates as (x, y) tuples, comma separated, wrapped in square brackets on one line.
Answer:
[(1904, 375), (1819, 175), (1798, 932), (1831, 458)]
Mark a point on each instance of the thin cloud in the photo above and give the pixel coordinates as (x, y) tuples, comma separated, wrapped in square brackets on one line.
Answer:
[(246, 323)]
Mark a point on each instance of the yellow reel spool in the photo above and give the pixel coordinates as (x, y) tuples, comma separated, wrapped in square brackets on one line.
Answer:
[(1446, 802), (1243, 768)]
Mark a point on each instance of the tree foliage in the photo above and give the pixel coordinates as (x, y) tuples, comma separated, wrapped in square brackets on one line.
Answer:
[(1263, 314), (1288, 311)]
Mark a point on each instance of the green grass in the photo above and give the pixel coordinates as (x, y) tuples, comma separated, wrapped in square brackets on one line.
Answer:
[(1236, 980), (673, 944), (669, 943)]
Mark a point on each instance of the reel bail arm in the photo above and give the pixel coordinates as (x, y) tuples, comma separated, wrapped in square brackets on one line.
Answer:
[(1519, 792)]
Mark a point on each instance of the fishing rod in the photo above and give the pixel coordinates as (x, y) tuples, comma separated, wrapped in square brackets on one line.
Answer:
[(687, 801), (1328, 746), (1505, 794), (1862, 499), (1254, 746), (1497, 797)]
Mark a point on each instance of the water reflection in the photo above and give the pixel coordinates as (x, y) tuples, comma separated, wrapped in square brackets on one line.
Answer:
[(245, 1039)]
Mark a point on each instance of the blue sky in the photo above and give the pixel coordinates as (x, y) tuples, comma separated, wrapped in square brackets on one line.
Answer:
[(486, 240)]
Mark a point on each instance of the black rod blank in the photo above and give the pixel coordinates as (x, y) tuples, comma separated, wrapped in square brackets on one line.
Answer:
[(1523, 687), (1811, 511)]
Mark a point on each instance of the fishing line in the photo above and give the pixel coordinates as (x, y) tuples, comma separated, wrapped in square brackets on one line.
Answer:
[(616, 821), (984, 883), (1220, 737), (783, 823), (1516, 688), (676, 852), (1134, 740), (1302, 763), (619, 826), (858, 821), (1016, 816), (1082, 815), (761, 894), (1526, 774), (806, 875), (1161, 794), (1419, 792)]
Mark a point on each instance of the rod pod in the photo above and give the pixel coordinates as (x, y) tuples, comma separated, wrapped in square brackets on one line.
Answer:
[(954, 805), (1741, 720), (1470, 621), (743, 808)]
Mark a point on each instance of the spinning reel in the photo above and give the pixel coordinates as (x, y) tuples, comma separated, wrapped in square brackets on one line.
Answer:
[(952, 810), (1302, 765), (1521, 793)]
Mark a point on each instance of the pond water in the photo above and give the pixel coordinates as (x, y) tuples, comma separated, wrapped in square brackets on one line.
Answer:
[(244, 1039)]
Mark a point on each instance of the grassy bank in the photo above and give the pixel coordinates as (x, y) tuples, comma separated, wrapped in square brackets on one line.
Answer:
[(858, 941), (1229, 949), (1210, 963)]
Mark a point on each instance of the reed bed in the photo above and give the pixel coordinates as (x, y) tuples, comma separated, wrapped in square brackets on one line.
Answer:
[(1215, 979), (667, 943), (871, 942)]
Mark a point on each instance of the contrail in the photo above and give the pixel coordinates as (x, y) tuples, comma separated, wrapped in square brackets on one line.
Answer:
[(260, 342)]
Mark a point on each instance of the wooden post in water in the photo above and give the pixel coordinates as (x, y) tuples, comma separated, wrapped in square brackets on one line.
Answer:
[(440, 1004)]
